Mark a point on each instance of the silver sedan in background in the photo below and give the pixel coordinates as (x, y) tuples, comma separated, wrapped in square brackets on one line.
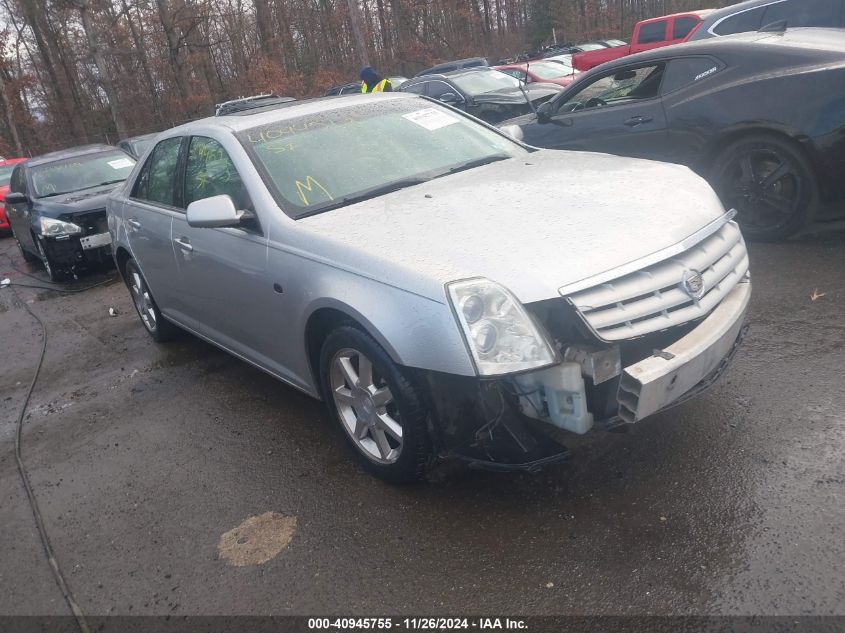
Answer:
[(446, 290)]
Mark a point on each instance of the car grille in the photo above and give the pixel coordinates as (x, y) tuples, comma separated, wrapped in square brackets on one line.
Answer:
[(92, 222), (653, 299)]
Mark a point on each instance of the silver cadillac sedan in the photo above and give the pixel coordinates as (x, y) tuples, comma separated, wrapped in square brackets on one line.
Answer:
[(446, 290)]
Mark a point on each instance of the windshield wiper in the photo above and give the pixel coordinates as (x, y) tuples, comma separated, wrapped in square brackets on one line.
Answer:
[(375, 192), (475, 162)]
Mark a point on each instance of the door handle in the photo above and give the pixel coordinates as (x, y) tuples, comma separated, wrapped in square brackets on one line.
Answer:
[(132, 222), (183, 243), (634, 121)]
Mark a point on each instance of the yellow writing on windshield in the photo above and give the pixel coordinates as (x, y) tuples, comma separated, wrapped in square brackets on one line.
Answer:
[(309, 185)]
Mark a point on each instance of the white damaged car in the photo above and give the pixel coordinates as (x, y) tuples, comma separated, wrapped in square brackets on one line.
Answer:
[(446, 290)]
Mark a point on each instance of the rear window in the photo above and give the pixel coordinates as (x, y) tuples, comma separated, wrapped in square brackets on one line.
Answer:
[(741, 22), (822, 13), (683, 27), (652, 32)]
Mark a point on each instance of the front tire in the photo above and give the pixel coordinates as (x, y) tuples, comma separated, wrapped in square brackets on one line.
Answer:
[(770, 183), (159, 328), (56, 275), (379, 410), (27, 256)]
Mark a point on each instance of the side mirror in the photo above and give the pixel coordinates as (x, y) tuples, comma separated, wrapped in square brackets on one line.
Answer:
[(213, 212), (544, 112), (450, 97), (16, 197)]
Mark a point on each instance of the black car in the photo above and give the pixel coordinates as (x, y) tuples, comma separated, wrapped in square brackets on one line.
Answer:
[(135, 146), (761, 115), (752, 15), (485, 93), (57, 206), (458, 64)]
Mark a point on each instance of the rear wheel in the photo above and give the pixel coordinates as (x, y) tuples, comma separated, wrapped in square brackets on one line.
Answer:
[(770, 184), (156, 325), (55, 274), (378, 408)]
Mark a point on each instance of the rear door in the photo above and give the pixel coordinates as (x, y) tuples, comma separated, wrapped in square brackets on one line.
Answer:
[(222, 271), (148, 214), (618, 112)]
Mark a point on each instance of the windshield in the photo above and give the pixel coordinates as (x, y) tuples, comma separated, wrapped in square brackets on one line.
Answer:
[(6, 175), (545, 70), (318, 162), (81, 172), (140, 145), (482, 81)]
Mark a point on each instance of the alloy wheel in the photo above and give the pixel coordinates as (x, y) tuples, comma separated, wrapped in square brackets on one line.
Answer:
[(764, 186), (143, 301), (366, 406)]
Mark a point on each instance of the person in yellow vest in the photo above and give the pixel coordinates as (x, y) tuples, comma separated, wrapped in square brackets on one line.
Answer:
[(371, 81)]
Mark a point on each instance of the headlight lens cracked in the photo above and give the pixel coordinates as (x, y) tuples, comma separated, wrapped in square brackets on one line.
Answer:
[(500, 333)]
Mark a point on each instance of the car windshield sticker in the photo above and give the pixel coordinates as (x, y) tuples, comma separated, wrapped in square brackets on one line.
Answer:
[(430, 118), (121, 163)]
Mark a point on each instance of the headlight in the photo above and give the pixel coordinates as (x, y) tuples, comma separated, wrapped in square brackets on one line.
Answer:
[(54, 228), (499, 332)]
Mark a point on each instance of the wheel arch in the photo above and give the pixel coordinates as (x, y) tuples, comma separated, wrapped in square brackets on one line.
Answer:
[(801, 142), (327, 317), (121, 256)]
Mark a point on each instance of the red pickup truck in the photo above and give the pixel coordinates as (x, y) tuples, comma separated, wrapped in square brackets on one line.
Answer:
[(648, 34)]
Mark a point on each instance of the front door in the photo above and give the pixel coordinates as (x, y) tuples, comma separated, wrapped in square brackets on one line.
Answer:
[(619, 113), (223, 270), (20, 214)]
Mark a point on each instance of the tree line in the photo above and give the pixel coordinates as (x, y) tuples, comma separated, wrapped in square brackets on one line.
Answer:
[(84, 71)]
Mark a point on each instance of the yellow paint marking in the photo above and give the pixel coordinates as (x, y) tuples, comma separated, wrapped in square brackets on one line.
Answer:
[(308, 186)]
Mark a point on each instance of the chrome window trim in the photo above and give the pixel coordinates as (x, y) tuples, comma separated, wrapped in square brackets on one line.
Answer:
[(651, 259)]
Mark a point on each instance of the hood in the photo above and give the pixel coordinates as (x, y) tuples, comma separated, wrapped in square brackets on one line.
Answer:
[(533, 224), (75, 202), (514, 95)]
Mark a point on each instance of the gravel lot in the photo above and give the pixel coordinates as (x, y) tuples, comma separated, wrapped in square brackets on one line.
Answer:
[(147, 460)]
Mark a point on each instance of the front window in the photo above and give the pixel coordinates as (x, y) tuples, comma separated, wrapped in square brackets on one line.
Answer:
[(483, 81), (318, 162), (623, 87), (81, 172)]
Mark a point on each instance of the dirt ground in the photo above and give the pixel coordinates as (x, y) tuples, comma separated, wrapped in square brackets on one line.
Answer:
[(175, 479)]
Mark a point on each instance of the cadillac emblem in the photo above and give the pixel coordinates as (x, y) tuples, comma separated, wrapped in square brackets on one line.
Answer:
[(693, 284)]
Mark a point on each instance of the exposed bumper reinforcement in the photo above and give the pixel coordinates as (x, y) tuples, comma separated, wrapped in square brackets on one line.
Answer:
[(665, 378)]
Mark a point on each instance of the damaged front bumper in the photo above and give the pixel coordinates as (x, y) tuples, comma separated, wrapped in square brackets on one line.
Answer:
[(509, 423)]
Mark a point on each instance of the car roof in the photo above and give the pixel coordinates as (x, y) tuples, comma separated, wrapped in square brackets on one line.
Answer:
[(281, 112), (5, 162), (717, 14), (797, 39), (71, 152), (140, 137), (701, 14)]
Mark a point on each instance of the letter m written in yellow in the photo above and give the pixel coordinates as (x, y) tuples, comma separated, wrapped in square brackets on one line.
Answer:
[(309, 185)]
